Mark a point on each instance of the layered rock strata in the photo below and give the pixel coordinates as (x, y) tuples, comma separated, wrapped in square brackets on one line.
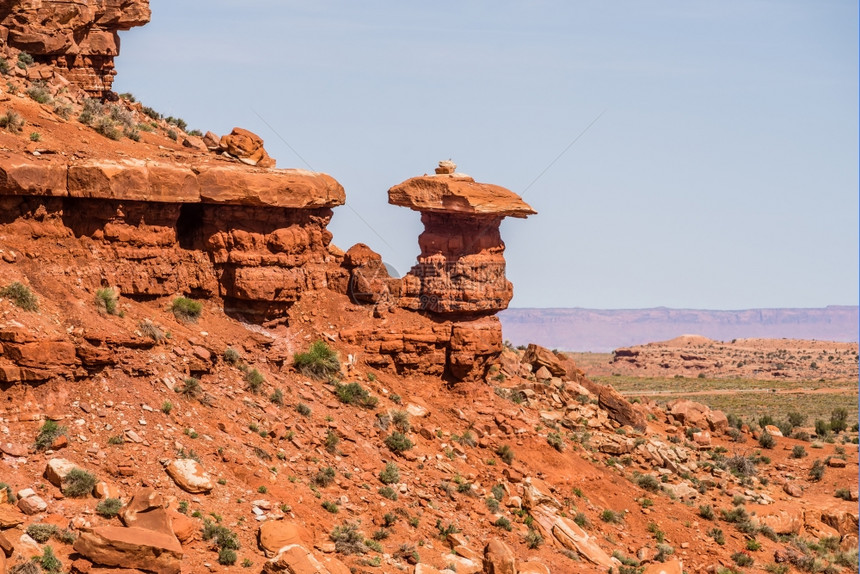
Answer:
[(77, 39)]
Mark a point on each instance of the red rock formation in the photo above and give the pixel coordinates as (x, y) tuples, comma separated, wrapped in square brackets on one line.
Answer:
[(79, 39), (461, 268)]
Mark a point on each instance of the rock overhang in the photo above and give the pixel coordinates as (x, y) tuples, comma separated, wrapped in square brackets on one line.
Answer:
[(458, 193)]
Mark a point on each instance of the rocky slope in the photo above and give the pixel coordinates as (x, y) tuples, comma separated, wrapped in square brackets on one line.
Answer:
[(194, 378)]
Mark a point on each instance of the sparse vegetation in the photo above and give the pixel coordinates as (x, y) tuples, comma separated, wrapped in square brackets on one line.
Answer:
[(319, 362), (19, 294), (331, 441), (41, 533), (12, 121), (106, 301), (190, 388), (324, 477), (109, 507), (816, 473), (348, 539), (48, 433), (355, 394), (166, 407), (387, 492), (766, 440), (39, 92), (186, 310), (303, 409), (555, 440), (255, 380), (49, 562), (78, 483), (149, 329), (503, 523), (390, 474), (798, 451), (398, 442), (506, 453)]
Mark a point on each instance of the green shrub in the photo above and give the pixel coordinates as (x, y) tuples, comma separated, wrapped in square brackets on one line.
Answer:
[(649, 482), (116, 439), (166, 407), (533, 539), (556, 441), (798, 451), (190, 387), (330, 506), (109, 507), (816, 473), (611, 516), (35, 136), (222, 537), (48, 433), (21, 296), (12, 121), (331, 441), (303, 409), (277, 397), (717, 535), (4, 66), (839, 420), (398, 442), (49, 562), (25, 60), (821, 428), (226, 557), (390, 474), (387, 492), (255, 380), (79, 483), (348, 539), (505, 453), (842, 493), (400, 420), (319, 362), (503, 523), (324, 477), (232, 356), (106, 301), (41, 533), (151, 330), (742, 559), (39, 92), (355, 394), (766, 440), (492, 504), (706, 512), (498, 492), (445, 531), (581, 520), (186, 310)]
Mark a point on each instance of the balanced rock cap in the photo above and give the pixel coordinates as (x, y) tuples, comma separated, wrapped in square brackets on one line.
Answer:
[(450, 192)]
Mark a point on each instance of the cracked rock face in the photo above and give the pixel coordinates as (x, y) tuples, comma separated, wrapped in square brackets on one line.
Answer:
[(78, 38)]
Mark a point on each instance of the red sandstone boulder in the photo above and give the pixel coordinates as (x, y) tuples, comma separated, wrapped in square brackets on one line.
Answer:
[(247, 147), (189, 475), (146, 509), (131, 548), (275, 534), (499, 558), (540, 357)]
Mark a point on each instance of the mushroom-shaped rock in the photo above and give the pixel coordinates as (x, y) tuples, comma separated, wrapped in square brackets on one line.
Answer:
[(189, 475), (131, 548), (461, 267)]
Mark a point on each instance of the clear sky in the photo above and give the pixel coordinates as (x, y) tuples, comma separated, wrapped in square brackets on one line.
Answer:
[(722, 173)]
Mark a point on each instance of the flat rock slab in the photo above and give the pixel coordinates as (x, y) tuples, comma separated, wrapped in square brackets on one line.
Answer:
[(131, 548)]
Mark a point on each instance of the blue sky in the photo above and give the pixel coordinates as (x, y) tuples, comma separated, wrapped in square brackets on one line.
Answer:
[(722, 173)]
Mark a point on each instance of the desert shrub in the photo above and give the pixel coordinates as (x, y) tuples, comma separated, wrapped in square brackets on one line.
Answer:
[(766, 420), (839, 420), (503, 523), (35, 136), (48, 433), (468, 439), (116, 439), (798, 451), (166, 407), (232, 356), (49, 562), (741, 465), (387, 492), (742, 559), (796, 419), (492, 504), (149, 329), (533, 539), (649, 482), (556, 441), (109, 507), (226, 557), (506, 453), (816, 473), (25, 60), (331, 441), (277, 397), (611, 516), (319, 362), (221, 536), (186, 310), (821, 428), (79, 483), (381, 534), (39, 92), (717, 535), (255, 380), (303, 409), (190, 387), (330, 506), (390, 474), (355, 394), (753, 544), (106, 127), (398, 442), (400, 420), (41, 533), (766, 440), (736, 515), (4, 66), (842, 493), (736, 435), (498, 492), (106, 301), (348, 539), (21, 296), (12, 121), (408, 553), (324, 477), (706, 512), (581, 520)]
